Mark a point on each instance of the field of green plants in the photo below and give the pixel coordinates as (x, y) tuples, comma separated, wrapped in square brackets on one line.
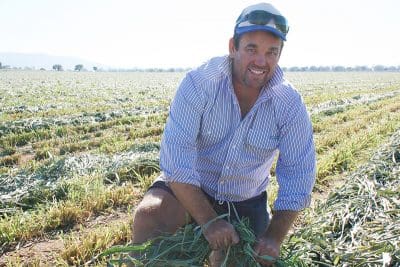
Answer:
[(79, 149)]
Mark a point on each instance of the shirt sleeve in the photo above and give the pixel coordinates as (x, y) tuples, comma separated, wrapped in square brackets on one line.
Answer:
[(296, 166), (178, 152)]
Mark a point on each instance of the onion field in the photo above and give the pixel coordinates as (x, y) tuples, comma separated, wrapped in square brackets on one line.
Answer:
[(79, 149)]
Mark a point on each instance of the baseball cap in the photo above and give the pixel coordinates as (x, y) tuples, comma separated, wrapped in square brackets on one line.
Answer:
[(262, 17)]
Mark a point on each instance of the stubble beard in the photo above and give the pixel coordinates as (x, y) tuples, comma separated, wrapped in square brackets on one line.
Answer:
[(256, 82)]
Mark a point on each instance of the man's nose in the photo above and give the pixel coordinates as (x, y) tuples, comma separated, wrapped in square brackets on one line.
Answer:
[(261, 60)]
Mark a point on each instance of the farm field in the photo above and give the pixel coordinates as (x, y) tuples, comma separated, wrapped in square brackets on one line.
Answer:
[(79, 149)]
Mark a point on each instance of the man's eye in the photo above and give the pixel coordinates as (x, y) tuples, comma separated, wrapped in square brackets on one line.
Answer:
[(251, 50), (273, 53)]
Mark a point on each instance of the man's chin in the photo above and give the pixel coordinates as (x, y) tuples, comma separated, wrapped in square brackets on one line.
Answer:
[(256, 83)]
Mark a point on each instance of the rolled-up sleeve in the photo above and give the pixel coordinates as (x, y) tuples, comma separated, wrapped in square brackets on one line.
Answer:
[(296, 166), (178, 147)]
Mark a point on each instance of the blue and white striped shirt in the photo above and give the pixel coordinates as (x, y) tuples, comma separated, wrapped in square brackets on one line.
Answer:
[(208, 144)]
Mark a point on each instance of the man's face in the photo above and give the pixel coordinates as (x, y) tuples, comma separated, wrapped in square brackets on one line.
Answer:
[(255, 60)]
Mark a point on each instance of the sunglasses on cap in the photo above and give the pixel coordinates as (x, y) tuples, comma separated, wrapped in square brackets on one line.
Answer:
[(263, 18)]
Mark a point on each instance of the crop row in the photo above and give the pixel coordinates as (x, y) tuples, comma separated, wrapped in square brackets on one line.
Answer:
[(34, 124), (335, 106), (54, 134), (359, 224), (24, 189), (39, 89)]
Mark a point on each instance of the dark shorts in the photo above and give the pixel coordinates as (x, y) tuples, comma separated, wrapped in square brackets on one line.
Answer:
[(255, 209)]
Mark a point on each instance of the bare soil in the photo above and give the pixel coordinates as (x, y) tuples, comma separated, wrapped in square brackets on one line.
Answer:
[(44, 251), (27, 154)]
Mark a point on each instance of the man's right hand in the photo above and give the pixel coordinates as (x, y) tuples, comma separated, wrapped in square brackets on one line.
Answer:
[(220, 235)]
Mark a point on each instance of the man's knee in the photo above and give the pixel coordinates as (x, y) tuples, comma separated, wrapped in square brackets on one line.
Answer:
[(158, 211), (149, 209), (145, 214)]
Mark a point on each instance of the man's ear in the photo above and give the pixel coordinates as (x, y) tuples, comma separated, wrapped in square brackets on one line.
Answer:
[(231, 47)]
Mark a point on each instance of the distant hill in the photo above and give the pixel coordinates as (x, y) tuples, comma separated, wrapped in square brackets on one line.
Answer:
[(22, 60)]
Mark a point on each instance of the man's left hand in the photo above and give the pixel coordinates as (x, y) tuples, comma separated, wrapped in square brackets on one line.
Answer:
[(267, 246)]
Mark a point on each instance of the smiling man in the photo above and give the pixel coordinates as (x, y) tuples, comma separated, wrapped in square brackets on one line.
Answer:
[(229, 119)]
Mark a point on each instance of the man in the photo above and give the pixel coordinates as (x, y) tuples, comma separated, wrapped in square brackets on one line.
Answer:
[(226, 123)]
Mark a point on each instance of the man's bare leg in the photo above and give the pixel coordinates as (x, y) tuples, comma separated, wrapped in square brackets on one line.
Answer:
[(158, 212)]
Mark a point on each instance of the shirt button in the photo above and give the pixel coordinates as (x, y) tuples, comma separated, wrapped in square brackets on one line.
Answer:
[(227, 167), (222, 182)]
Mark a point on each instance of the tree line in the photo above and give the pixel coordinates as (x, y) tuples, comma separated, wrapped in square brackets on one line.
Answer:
[(339, 68), (343, 68), (79, 67)]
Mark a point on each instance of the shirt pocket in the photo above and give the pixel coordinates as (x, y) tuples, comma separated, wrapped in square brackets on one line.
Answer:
[(260, 144)]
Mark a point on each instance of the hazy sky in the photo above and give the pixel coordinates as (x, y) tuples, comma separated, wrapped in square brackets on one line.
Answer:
[(185, 33)]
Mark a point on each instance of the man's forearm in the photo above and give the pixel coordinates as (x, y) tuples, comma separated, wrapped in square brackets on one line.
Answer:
[(194, 201), (220, 234), (280, 224)]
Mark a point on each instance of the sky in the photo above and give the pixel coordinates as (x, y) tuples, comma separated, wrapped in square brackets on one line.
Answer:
[(186, 33)]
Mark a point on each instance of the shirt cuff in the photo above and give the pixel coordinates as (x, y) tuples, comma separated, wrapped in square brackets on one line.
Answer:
[(185, 176), (295, 203)]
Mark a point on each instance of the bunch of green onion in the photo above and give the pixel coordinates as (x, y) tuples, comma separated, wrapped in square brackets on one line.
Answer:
[(188, 247)]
